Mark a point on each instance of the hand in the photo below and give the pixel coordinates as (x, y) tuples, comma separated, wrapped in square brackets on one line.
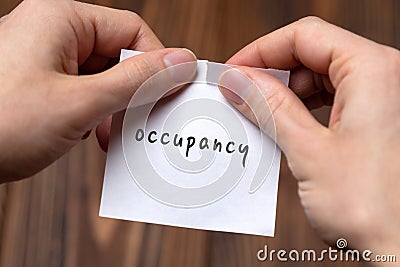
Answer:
[(46, 107), (348, 173)]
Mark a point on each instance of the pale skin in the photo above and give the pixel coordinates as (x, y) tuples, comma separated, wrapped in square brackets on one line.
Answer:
[(347, 172), (47, 108)]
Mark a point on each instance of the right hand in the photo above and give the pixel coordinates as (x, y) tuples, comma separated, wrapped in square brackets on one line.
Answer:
[(348, 173)]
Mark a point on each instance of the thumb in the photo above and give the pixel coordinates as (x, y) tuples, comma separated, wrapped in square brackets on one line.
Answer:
[(103, 94), (268, 103)]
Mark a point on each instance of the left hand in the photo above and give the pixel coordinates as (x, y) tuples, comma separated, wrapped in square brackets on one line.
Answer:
[(46, 107)]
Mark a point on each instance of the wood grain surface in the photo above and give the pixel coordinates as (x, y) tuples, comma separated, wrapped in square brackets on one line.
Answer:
[(52, 219)]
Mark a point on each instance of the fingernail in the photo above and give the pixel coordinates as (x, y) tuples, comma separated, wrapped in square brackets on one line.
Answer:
[(233, 85), (184, 72)]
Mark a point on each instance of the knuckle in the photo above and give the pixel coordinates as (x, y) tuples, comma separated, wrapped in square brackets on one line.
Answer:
[(388, 58), (311, 21), (144, 69), (309, 27), (134, 17), (137, 71), (393, 55), (277, 101)]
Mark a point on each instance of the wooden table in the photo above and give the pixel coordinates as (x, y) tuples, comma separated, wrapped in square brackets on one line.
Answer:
[(52, 219)]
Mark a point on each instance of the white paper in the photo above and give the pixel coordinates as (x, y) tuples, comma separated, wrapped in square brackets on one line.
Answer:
[(240, 209)]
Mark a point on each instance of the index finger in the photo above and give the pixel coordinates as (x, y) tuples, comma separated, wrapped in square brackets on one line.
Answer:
[(311, 42), (113, 30)]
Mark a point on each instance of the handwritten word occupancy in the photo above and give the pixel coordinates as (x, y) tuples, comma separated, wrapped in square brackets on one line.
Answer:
[(190, 142)]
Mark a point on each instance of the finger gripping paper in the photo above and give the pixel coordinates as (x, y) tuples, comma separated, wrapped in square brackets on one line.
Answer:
[(191, 159)]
